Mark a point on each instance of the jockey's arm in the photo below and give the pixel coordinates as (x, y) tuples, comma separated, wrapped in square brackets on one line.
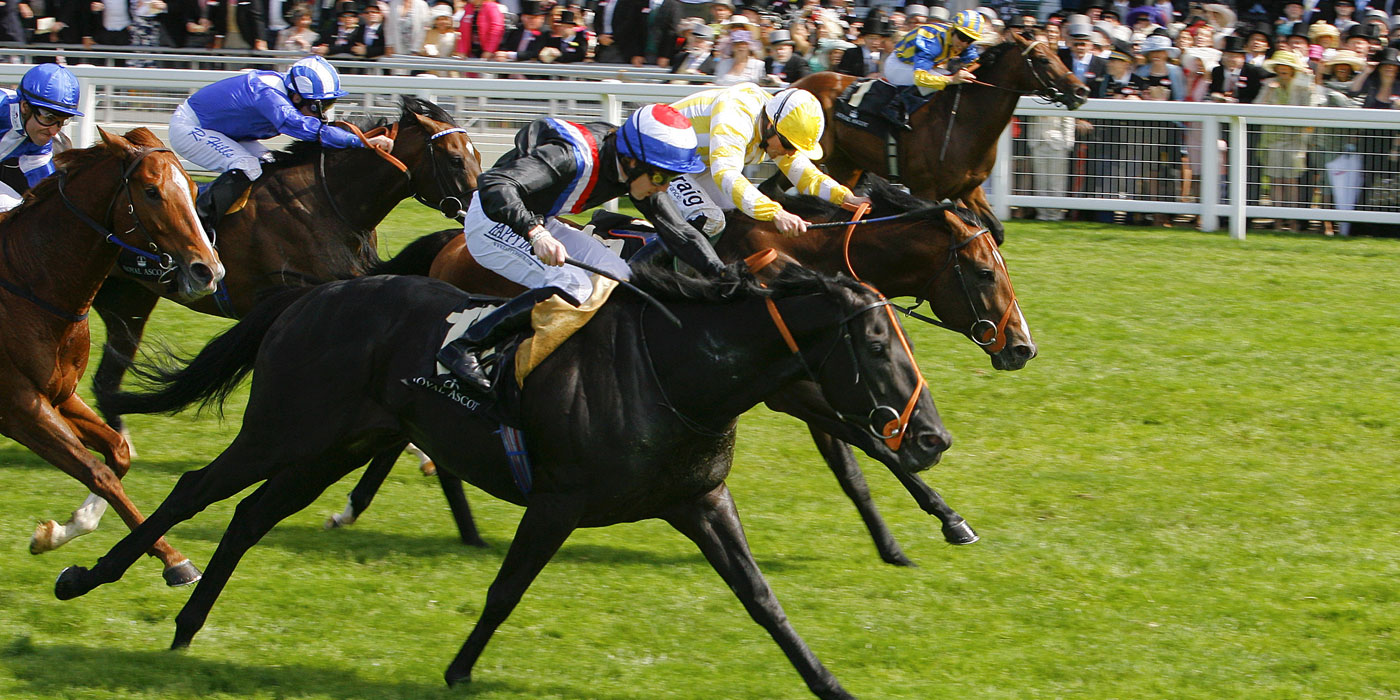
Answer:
[(303, 128), (732, 128), (683, 240), (809, 179), (503, 189)]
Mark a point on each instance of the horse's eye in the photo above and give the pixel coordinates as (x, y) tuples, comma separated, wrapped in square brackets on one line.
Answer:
[(987, 275), (1042, 60), (877, 347), (152, 192), (458, 162)]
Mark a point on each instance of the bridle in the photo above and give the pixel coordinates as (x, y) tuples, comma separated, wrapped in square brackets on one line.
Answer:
[(991, 336), (447, 200), (891, 431), (163, 261), (1046, 89)]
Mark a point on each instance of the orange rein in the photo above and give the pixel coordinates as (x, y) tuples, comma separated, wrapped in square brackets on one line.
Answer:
[(390, 132)]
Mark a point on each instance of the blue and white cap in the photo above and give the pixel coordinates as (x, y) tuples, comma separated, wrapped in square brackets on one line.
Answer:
[(51, 86), (661, 137), (314, 79)]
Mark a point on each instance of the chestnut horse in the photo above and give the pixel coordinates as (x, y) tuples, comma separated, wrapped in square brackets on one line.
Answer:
[(310, 218), (952, 146), (924, 251), (56, 248)]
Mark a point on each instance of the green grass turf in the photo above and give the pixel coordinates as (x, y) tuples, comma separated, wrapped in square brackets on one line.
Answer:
[(1188, 494)]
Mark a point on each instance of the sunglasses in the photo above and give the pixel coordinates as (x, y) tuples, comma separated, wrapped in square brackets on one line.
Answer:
[(48, 117), (663, 177)]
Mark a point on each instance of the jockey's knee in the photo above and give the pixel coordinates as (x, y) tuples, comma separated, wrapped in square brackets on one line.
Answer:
[(250, 166)]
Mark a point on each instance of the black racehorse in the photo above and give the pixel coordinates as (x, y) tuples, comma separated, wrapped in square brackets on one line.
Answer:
[(640, 417)]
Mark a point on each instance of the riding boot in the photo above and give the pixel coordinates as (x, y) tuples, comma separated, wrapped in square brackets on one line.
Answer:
[(898, 109), (462, 357), (221, 194)]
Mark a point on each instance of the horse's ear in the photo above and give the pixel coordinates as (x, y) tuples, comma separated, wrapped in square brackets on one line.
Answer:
[(115, 144), (424, 122), (142, 137)]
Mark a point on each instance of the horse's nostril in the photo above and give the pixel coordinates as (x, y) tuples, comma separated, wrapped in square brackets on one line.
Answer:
[(935, 442), (1022, 351), (201, 273)]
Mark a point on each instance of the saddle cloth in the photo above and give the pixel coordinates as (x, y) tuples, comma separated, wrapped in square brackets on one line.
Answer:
[(554, 321)]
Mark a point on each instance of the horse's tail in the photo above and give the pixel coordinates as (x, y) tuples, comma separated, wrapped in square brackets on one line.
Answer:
[(417, 257), (209, 377)]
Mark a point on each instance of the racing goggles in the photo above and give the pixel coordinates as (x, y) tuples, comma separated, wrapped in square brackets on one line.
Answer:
[(46, 117)]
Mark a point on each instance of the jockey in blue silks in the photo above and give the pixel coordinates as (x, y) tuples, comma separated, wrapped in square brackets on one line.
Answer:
[(930, 58), (30, 118), (219, 126)]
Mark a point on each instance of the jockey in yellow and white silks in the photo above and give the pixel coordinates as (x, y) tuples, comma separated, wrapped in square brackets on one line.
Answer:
[(932, 57), (739, 125)]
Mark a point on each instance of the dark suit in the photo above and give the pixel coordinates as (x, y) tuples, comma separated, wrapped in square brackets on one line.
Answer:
[(571, 50), (374, 47), (251, 16), (795, 69), (629, 30), (1247, 86), (704, 61), (518, 39), (857, 62), (1097, 66)]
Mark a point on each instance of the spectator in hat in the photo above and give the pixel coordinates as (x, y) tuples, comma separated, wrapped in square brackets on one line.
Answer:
[(518, 39), (740, 60), (1380, 90), (1325, 35), (299, 36), (1080, 57), (784, 65), (1283, 150), (915, 15), (720, 12), (368, 40), (566, 41), (1259, 41), (697, 58), (1364, 39), (1219, 15), (1163, 80), (347, 24), (1292, 14), (1340, 14), (1341, 72), (441, 38), (481, 29), (1235, 79), (872, 46)]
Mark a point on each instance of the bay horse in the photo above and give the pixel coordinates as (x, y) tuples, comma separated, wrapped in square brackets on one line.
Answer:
[(952, 146), (909, 247), (327, 395), (55, 250), (310, 218)]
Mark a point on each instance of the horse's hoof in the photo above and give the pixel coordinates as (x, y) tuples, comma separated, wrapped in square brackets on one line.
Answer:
[(898, 559), (428, 468), (42, 540), (454, 680), (337, 521), (69, 584), (475, 542), (182, 574), (959, 533)]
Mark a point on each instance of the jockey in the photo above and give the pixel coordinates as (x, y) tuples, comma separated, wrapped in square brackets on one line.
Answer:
[(29, 121), (932, 56), (219, 126), (738, 126), (560, 167)]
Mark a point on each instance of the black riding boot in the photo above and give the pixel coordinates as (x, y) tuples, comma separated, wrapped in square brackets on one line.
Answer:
[(462, 357), (220, 195), (898, 109)]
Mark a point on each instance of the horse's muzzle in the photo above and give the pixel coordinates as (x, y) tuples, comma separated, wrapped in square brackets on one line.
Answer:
[(1014, 356), (928, 448), (198, 279)]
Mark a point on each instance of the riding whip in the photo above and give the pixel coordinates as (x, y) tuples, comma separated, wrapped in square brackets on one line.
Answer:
[(647, 297), (948, 134)]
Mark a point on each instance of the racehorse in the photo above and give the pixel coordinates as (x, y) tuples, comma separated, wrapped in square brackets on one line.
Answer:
[(55, 250), (327, 395), (952, 146), (924, 251), (311, 218)]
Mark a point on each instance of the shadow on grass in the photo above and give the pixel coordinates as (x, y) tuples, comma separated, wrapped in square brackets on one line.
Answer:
[(69, 670)]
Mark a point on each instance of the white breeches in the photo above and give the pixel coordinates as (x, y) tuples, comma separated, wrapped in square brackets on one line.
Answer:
[(212, 150), (9, 198), (509, 255), (697, 195)]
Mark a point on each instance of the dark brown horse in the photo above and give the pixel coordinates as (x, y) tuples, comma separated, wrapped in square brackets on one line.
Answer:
[(949, 154), (55, 250), (926, 251), (310, 218)]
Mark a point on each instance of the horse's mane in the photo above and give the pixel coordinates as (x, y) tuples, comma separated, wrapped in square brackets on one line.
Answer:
[(304, 152), (424, 108), (991, 53), (886, 200), (76, 159), (666, 284)]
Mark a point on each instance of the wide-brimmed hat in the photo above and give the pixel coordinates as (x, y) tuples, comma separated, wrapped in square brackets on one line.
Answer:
[(437, 11), (347, 8), (779, 37), (738, 22), (1158, 42), (1322, 29), (1284, 57), (1346, 58), (1209, 58), (703, 31), (1219, 15)]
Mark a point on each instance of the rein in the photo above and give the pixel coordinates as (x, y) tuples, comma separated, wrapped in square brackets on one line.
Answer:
[(1047, 89), (993, 335), (325, 183)]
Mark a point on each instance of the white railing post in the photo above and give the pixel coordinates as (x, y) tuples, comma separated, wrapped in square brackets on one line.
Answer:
[(1000, 198), (1239, 156), (1210, 174), (612, 114), (87, 124)]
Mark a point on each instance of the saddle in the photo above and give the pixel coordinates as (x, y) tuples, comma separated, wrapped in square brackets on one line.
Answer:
[(862, 104)]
